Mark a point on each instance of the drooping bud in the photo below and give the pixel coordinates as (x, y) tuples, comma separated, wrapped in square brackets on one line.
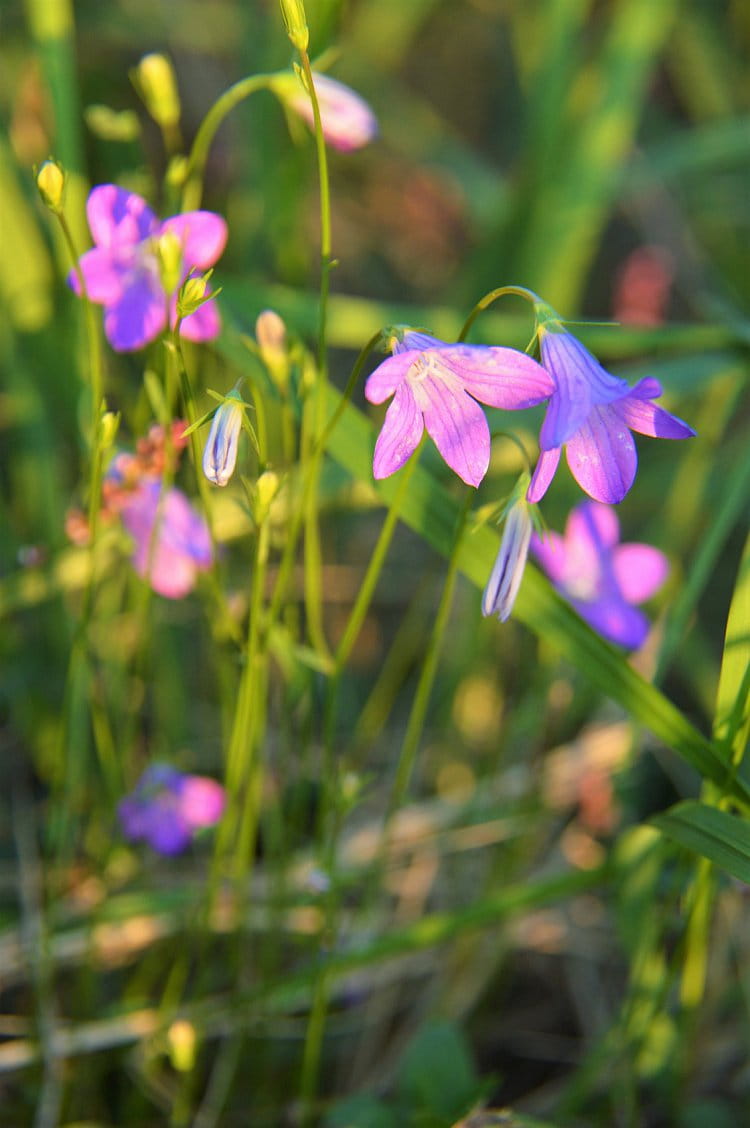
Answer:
[(295, 22), (155, 81), (50, 180), (270, 333), (507, 573), (220, 452)]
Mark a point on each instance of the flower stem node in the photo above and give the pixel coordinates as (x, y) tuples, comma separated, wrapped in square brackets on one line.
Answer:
[(220, 453), (155, 81), (507, 573), (50, 180)]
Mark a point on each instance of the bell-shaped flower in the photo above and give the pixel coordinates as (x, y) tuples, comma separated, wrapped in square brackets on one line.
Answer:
[(172, 541), (437, 386), (507, 573), (601, 578), (167, 808), (592, 414), (220, 451), (126, 272), (347, 121)]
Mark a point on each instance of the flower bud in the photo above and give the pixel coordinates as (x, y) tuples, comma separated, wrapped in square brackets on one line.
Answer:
[(109, 426), (507, 573), (220, 453), (50, 180), (155, 81), (169, 254), (295, 22), (266, 489), (270, 333)]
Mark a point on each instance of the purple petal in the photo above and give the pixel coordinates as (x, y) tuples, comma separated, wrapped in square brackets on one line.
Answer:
[(499, 377), (117, 217), (595, 522), (581, 383), (456, 423), (391, 372), (615, 621), (103, 273), (203, 235), (420, 342), (549, 552), (543, 474), (169, 560), (202, 801), (646, 418), (184, 530), (400, 434), (203, 325), (169, 834), (639, 570), (139, 316), (602, 456)]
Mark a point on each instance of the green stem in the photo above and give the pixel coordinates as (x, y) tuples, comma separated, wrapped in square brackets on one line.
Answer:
[(196, 161), (485, 302)]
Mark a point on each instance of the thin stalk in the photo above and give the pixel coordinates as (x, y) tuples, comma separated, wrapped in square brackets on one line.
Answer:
[(488, 299)]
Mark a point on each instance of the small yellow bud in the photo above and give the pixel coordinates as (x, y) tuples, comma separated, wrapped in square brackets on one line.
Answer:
[(155, 81), (295, 22), (182, 1040), (109, 426), (193, 293), (169, 254), (50, 180), (266, 489), (176, 170)]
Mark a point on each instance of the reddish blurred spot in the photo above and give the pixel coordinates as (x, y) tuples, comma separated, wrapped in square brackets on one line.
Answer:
[(642, 286)]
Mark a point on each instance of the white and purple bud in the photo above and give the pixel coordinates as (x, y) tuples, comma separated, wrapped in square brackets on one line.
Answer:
[(220, 453), (507, 573)]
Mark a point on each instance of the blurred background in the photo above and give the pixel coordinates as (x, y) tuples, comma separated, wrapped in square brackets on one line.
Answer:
[(597, 151)]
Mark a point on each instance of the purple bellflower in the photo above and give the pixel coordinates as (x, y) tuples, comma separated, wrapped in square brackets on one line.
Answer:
[(437, 385), (592, 414), (167, 807), (220, 451), (600, 577), (348, 122), (124, 272), (170, 557), (507, 573)]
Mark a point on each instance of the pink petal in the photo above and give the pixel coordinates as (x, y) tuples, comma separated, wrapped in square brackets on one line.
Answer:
[(615, 621), (602, 456), (543, 474), (103, 273), (138, 317), (457, 425), (347, 120), (646, 418), (117, 217), (202, 801), (499, 377), (203, 235), (594, 521), (400, 434), (184, 530), (640, 570), (391, 372), (549, 551)]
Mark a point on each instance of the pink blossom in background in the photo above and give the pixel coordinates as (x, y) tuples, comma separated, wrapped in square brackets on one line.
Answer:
[(122, 272), (601, 578), (592, 414), (167, 807), (347, 120), (437, 386)]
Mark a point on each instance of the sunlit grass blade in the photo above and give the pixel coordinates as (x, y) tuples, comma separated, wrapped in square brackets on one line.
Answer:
[(722, 838)]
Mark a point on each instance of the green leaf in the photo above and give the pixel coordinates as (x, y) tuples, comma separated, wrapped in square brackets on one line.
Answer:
[(436, 1077), (714, 834), (732, 722)]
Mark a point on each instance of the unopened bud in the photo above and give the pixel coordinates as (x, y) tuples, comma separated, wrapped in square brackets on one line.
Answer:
[(50, 180), (155, 81), (220, 453), (507, 573), (182, 1039), (193, 293), (169, 254), (109, 427), (270, 333), (295, 22), (266, 489)]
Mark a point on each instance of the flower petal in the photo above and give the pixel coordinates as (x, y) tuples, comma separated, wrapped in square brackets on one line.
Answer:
[(104, 275), (391, 372), (639, 570), (647, 418), (202, 801), (581, 383), (203, 235), (118, 217), (499, 377), (543, 474), (139, 316), (602, 456), (615, 621), (456, 423), (400, 434), (347, 120), (594, 522)]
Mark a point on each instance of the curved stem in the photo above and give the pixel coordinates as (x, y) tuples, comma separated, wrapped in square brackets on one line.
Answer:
[(485, 302)]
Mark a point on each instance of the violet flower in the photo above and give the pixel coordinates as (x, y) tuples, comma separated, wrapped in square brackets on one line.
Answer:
[(220, 451), (171, 557), (437, 385), (347, 121), (599, 577), (167, 807), (592, 414), (125, 272)]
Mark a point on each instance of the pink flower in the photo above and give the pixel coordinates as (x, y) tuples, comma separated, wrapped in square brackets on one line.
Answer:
[(347, 120), (167, 807), (436, 385), (124, 272), (599, 577)]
